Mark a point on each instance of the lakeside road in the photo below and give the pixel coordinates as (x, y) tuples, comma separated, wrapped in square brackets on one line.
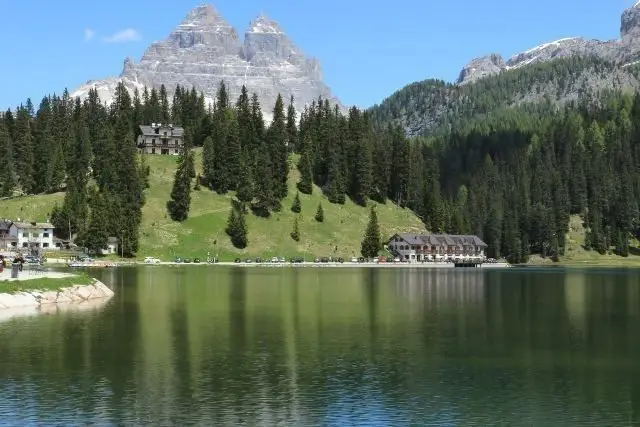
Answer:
[(31, 274), (303, 265)]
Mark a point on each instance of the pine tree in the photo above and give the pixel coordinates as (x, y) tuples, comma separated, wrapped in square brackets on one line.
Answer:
[(295, 233), (97, 234), (319, 213), (56, 174), (208, 161), (277, 146), (23, 150), (7, 178), (180, 202), (296, 206), (305, 185), (292, 129), (371, 243), (237, 227), (245, 191)]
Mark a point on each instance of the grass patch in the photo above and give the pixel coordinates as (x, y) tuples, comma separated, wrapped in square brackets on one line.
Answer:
[(577, 255), (44, 284)]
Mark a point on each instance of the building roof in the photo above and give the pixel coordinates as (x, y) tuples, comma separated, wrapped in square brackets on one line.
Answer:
[(441, 239), (5, 224), (112, 240), (33, 225), (151, 131)]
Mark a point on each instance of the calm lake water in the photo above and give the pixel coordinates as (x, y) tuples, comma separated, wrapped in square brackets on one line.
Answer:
[(333, 347)]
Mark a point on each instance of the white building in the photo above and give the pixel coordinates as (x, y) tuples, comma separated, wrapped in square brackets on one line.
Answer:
[(437, 247), (112, 247), (31, 236), (161, 139)]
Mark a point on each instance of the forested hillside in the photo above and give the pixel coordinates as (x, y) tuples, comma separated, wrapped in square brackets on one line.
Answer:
[(431, 106)]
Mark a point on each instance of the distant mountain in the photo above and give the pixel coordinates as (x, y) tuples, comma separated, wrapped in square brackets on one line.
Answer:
[(566, 70), (204, 50), (622, 51)]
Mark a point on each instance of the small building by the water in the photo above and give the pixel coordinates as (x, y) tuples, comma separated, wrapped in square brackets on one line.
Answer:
[(436, 247), (112, 247), (159, 138)]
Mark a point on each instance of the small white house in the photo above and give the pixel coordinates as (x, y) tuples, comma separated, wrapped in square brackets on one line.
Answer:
[(32, 236), (112, 247)]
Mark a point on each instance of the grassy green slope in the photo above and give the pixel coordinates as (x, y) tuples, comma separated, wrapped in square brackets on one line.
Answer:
[(163, 238), (343, 226)]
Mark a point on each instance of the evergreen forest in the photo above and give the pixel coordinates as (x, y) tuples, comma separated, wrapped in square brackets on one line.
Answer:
[(513, 176)]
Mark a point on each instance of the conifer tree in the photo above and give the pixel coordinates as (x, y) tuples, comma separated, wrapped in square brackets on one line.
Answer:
[(277, 146), (180, 202), (295, 233), (292, 128), (208, 160), (56, 173), (245, 191), (97, 233), (371, 243), (237, 227), (296, 206), (305, 185), (7, 178), (319, 213), (23, 150)]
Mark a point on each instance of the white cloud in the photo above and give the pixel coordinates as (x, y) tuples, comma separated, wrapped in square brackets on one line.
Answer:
[(88, 34), (122, 36)]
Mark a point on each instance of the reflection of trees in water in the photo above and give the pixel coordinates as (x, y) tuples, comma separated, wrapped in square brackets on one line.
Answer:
[(233, 346)]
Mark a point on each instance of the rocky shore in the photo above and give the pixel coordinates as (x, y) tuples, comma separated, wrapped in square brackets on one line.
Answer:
[(71, 294)]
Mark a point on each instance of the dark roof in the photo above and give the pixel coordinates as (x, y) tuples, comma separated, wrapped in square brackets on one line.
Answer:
[(5, 224), (150, 130), (23, 225), (441, 239)]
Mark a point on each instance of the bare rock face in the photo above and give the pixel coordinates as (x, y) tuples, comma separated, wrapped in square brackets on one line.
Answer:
[(623, 51), (204, 50), (482, 67)]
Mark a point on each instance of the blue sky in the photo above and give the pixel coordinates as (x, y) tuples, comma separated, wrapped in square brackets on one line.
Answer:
[(368, 49)]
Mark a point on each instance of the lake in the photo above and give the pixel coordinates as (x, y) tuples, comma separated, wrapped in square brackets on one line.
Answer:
[(288, 346)]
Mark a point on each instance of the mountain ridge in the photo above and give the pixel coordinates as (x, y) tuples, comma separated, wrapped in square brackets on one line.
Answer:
[(622, 51)]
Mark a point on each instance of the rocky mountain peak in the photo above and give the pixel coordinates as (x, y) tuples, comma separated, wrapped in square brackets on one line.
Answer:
[(204, 50), (263, 24), (481, 67), (630, 25)]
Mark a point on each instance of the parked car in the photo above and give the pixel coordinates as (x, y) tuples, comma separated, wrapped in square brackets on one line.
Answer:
[(282, 259), (258, 260), (275, 259), (196, 260), (187, 260), (177, 260), (248, 260), (151, 260), (238, 261), (361, 260)]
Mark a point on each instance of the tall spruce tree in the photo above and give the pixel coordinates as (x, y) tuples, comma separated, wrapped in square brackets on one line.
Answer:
[(237, 227), (319, 213), (371, 242), (295, 233), (7, 178), (180, 202), (97, 233), (277, 147), (292, 127), (296, 206), (305, 167)]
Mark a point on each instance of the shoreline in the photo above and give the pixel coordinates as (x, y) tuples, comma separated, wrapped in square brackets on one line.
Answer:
[(67, 295)]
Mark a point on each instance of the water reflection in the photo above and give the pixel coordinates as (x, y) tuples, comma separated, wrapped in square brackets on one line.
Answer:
[(231, 346)]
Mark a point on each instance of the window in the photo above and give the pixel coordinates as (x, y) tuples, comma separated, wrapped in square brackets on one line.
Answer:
[(14, 244), (157, 130), (153, 141), (35, 234), (25, 234), (153, 151), (45, 235), (177, 142), (165, 134), (45, 245), (25, 244)]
